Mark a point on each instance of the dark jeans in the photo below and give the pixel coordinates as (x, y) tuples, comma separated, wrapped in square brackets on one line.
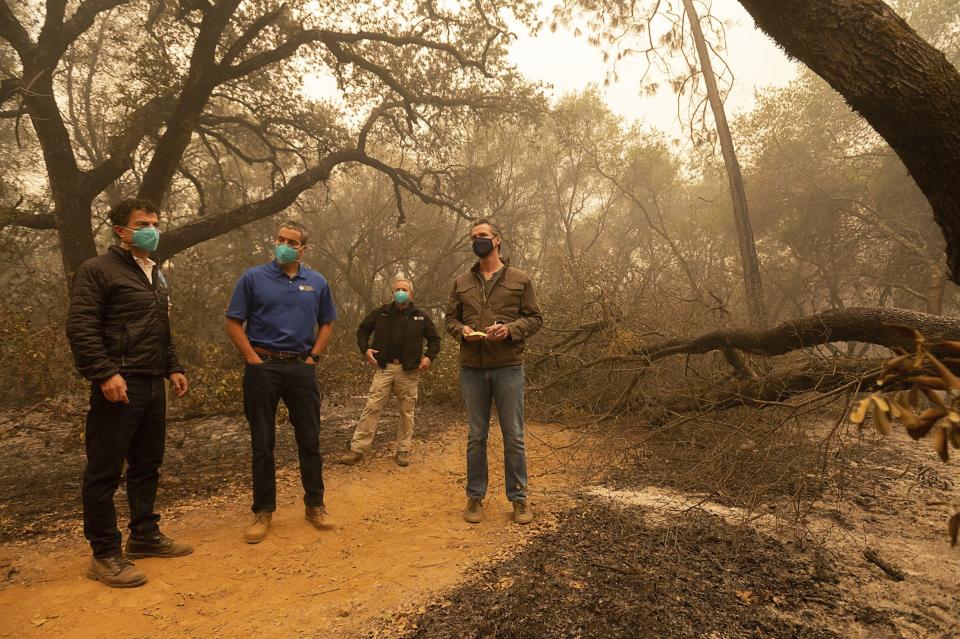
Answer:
[(264, 385), (116, 431), (480, 388)]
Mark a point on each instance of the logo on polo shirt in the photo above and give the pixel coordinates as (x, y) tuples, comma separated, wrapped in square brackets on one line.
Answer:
[(306, 287)]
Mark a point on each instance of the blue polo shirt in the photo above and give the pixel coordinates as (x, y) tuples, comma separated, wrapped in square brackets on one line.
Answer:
[(282, 313)]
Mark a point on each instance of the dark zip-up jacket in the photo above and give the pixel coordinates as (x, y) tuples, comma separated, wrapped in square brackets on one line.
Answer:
[(416, 326), (118, 321), (511, 301)]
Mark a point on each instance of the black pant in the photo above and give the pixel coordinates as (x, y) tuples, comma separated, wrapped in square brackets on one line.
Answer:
[(116, 431), (264, 385)]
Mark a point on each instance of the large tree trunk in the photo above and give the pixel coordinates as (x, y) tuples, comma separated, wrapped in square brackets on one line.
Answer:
[(67, 183), (902, 86), (77, 243), (738, 194)]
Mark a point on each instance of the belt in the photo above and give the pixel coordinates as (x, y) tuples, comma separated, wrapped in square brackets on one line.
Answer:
[(278, 355)]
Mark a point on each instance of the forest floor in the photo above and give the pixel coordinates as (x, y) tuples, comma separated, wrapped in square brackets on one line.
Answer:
[(613, 552)]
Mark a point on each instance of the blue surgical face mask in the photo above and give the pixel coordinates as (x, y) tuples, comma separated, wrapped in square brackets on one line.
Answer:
[(402, 297), (285, 254), (146, 238)]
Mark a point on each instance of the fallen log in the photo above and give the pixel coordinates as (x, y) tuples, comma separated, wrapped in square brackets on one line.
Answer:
[(871, 325)]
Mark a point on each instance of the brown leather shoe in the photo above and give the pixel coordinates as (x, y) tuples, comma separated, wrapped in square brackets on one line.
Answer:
[(403, 458), (350, 457), (256, 531), (315, 515), (156, 545), (521, 512), (116, 571), (473, 513)]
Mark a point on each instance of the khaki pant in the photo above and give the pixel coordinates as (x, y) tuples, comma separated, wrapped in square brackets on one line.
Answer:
[(403, 384)]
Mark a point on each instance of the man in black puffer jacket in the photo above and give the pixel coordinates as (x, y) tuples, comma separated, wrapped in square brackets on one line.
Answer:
[(119, 330)]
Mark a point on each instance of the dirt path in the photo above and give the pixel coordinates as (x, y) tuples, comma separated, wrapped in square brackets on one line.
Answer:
[(398, 539)]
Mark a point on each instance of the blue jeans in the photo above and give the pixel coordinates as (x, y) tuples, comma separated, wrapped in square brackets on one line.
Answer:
[(504, 386)]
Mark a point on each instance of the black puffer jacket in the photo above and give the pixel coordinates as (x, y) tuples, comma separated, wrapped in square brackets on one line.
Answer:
[(118, 321)]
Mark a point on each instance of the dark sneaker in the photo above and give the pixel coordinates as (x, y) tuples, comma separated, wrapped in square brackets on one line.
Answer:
[(350, 457), (473, 513), (156, 545), (403, 458), (315, 515), (521, 512), (116, 571), (257, 531)]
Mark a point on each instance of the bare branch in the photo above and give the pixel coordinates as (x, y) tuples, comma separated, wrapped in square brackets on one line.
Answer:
[(13, 32), (15, 216), (211, 226), (409, 182), (8, 88), (83, 18), (146, 120), (249, 35)]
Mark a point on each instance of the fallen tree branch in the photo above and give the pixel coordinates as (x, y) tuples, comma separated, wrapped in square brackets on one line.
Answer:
[(872, 325)]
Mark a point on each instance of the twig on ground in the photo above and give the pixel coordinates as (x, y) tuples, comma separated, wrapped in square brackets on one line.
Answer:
[(892, 571)]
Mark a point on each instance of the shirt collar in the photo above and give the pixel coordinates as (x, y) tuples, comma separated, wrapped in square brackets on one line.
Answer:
[(126, 252), (274, 268), (144, 261)]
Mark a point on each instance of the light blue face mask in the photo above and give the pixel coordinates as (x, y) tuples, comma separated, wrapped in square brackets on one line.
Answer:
[(402, 297), (285, 254), (146, 239)]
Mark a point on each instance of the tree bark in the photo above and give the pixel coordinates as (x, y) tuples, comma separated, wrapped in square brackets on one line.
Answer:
[(738, 194), (902, 85), (872, 325), (938, 281), (77, 243), (198, 85)]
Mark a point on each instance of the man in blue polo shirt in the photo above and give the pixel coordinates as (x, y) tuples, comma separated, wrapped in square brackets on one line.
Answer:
[(282, 303)]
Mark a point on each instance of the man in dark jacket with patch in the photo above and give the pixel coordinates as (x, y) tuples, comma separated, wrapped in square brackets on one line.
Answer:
[(399, 330), (119, 330)]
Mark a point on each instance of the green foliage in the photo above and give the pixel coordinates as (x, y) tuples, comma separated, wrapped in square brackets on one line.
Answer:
[(37, 365), (214, 370), (441, 384)]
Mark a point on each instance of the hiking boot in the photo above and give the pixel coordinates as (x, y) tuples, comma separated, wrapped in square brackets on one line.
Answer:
[(350, 457), (521, 512), (315, 515), (473, 513), (116, 571), (403, 458), (156, 545), (256, 531)]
